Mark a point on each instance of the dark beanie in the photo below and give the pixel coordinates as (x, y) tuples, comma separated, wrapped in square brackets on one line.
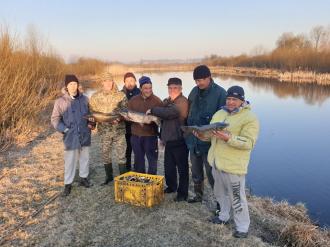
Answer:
[(175, 81), (201, 72), (144, 80), (70, 78), (236, 92), (129, 74)]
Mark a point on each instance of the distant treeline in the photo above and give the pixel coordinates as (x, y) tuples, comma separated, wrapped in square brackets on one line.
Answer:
[(309, 52)]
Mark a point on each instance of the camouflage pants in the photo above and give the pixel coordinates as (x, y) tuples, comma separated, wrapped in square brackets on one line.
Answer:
[(113, 142)]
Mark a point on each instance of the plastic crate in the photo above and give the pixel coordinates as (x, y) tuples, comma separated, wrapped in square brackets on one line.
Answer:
[(139, 193)]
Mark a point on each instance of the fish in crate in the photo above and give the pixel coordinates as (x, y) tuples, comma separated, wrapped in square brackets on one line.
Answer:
[(139, 189)]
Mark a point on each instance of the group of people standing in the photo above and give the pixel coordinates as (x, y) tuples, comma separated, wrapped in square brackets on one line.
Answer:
[(224, 156)]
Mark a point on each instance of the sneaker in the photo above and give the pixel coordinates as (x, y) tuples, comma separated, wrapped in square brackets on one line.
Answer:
[(216, 220), (195, 199), (217, 212), (238, 234), (84, 182), (168, 190), (67, 190)]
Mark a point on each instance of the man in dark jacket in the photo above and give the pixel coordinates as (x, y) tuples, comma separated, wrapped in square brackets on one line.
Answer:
[(68, 118), (174, 114), (130, 89), (144, 138), (204, 100)]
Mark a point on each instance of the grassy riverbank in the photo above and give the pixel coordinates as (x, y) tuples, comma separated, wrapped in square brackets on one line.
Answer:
[(32, 214)]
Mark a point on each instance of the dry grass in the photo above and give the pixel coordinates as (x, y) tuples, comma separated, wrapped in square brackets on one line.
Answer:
[(287, 225), (28, 80), (86, 66), (302, 235), (30, 76)]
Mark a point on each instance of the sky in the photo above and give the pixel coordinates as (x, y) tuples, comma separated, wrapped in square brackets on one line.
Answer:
[(128, 30)]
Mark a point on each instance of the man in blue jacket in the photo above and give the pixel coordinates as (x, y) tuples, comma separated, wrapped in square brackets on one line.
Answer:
[(205, 99), (68, 119)]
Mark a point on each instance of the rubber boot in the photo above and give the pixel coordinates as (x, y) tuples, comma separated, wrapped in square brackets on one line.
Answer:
[(198, 188), (108, 174), (122, 168)]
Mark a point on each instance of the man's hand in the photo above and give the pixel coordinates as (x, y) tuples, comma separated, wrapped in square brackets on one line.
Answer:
[(116, 121), (199, 135), (222, 134), (91, 126), (148, 112)]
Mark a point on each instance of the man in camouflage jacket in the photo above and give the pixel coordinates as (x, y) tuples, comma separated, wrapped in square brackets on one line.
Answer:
[(108, 100)]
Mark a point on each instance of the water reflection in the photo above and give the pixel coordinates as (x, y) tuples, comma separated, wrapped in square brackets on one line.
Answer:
[(311, 93)]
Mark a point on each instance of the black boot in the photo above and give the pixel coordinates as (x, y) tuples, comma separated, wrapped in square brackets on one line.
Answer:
[(108, 174), (67, 190), (84, 182), (122, 168), (198, 188)]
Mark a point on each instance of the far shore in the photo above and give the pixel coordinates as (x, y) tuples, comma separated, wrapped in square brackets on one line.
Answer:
[(305, 77)]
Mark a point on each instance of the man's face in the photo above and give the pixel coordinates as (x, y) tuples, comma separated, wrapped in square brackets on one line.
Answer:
[(174, 91), (233, 103), (203, 83), (107, 85), (146, 90), (72, 88), (130, 83)]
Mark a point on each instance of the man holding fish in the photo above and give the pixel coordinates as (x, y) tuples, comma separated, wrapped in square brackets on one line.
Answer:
[(144, 137), (107, 102), (204, 100), (174, 114), (229, 157)]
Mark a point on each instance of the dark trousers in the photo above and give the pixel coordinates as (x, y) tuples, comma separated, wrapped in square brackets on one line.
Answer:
[(145, 146), (128, 151), (176, 158), (197, 169)]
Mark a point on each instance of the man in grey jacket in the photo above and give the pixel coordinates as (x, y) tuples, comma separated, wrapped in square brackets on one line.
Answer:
[(174, 114), (68, 118)]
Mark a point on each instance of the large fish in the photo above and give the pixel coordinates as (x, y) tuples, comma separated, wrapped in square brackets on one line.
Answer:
[(138, 117), (101, 117), (205, 130)]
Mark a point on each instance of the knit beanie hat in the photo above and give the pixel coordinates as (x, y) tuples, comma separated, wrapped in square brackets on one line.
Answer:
[(201, 72), (70, 78), (236, 92), (129, 74), (144, 80)]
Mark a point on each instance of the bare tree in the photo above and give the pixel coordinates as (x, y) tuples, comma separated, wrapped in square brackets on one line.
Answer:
[(316, 35)]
